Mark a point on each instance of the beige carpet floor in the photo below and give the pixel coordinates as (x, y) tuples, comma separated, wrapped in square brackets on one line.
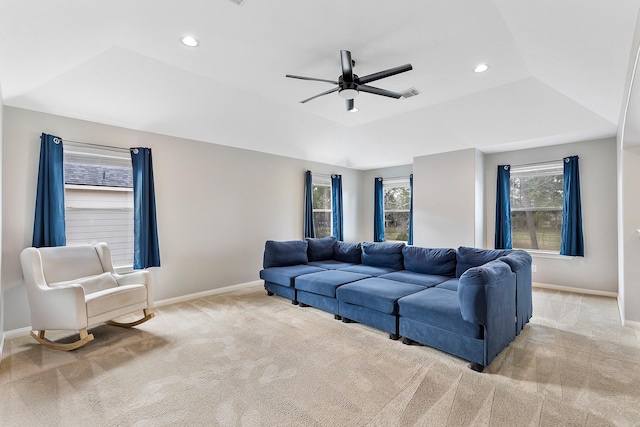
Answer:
[(245, 359)]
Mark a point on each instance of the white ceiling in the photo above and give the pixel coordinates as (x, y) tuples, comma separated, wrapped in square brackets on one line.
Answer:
[(557, 71)]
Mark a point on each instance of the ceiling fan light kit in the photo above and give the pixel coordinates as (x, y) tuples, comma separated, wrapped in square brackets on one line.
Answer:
[(350, 85)]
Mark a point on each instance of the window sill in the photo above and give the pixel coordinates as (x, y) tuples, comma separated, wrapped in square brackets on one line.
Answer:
[(547, 254), (124, 269)]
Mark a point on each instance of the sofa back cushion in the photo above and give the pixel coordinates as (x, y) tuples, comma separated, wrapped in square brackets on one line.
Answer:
[(347, 252), (438, 261), (467, 257), (281, 254), (387, 255), (320, 249)]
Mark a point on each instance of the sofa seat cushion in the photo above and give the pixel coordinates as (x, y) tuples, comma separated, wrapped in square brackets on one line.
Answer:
[(320, 249), (326, 282), (438, 307), (407, 276), (331, 264), (387, 255), (91, 284), (451, 284), (368, 270), (285, 276), (121, 296), (376, 293), (438, 261)]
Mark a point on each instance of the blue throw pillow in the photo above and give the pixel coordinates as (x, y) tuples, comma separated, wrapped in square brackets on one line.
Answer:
[(347, 252), (320, 249), (438, 261), (473, 257), (387, 255), (280, 254)]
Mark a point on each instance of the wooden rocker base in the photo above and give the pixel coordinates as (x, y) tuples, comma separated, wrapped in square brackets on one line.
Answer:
[(147, 315), (85, 337)]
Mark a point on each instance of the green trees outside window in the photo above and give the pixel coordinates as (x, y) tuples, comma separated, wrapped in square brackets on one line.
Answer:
[(536, 206)]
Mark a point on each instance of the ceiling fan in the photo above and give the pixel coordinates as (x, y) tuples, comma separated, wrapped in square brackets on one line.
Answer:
[(349, 85)]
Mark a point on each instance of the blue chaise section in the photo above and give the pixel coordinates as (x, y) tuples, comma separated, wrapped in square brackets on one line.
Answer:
[(474, 323)]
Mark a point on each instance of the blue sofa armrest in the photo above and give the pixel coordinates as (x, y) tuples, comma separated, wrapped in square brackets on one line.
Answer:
[(487, 296), (520, 263)]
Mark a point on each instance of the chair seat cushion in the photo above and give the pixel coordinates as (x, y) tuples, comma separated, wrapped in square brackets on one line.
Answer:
[(91, 284), (114, 298), (326, 282), (285, 276), (376, 293), (407, 276), (438, 307)]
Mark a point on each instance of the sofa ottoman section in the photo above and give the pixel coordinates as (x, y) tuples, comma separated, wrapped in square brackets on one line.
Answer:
[(373, 302), (319, 289), (280, 280)]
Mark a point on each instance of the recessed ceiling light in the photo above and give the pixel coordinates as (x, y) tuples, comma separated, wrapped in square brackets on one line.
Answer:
[(481, 68), (190, 41)]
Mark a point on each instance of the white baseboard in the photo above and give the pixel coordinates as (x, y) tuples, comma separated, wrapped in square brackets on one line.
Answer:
[(632, 324), (574, 290), (15, 333), (217, 291)]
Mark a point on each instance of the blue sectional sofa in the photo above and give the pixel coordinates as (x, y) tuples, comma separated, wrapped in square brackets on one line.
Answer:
[(469, 302)]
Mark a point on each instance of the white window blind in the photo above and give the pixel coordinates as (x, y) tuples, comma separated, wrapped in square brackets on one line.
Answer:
[(99, 200)]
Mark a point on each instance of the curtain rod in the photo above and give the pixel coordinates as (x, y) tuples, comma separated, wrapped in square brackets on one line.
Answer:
[(395, 177), (322, 175), (548, 162), (111, 147)]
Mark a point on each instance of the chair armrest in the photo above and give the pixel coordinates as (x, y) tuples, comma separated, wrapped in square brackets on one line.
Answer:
[(62, 307), (138, 277)]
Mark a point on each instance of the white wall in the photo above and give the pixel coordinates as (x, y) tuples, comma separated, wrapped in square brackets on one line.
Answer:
[(628, 146), (597, 270), (1, 222), (217, 205), (447, 206)]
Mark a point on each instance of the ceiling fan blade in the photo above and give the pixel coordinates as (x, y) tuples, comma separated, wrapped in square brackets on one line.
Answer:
[(386, 73), (350, 104), (335, 89), (347, 67), (378, 91), (311, 78)]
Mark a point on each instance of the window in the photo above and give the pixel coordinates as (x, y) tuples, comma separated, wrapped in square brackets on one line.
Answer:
[(99, 199), (397, 203), (322, 206), (536, 206)]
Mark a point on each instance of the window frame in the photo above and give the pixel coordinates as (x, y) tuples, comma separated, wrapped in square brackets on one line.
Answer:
[(116, 201), (396, 183), (539, 169), (323, 181)]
